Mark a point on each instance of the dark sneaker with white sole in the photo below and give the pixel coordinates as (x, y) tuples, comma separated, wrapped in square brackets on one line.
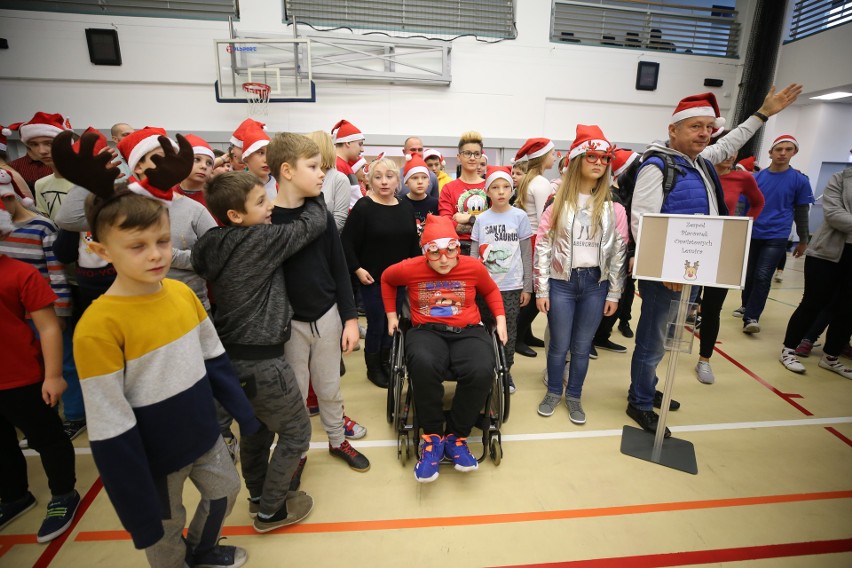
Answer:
[(60, 515), (9, 511)]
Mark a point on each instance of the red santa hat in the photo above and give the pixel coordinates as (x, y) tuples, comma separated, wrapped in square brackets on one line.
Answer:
[(6, 225), (430, 153), (41, 124), (439, 231), (532, 149), (622, 160), (699, 105), (200, 146), (6, 188), (493, 173), (356, 165), (255, 139), (4, 140), (100, 144), (746, 164), (239, 135), (589, 137), (785, 138), (136, 145), (414, 165), (345, 131)]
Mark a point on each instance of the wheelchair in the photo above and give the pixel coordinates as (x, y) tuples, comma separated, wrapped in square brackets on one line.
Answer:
[(403, 416)]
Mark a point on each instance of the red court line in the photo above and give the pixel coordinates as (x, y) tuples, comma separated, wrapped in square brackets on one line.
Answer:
[(708, 556), (430, 522), (839, 435), (53, 548)]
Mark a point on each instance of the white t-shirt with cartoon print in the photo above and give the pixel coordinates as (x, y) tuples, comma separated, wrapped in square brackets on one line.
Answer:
[(586, 249), (499, 237)]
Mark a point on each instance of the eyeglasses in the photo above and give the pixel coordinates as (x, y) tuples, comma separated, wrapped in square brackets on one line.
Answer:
[(468, 154), (593, 157), (435, 253)]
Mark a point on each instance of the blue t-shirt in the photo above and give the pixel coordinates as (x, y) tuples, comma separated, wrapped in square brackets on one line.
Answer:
[(499, 236), (782, 192)]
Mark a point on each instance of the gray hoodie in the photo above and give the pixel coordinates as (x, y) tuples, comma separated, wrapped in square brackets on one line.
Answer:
[(243, 267)]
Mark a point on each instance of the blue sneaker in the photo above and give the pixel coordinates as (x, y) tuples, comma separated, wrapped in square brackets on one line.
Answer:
[(60, 515), (456, 450), (431, 454)]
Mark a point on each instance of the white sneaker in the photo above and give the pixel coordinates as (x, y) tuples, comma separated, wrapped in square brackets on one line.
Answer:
[(738, 313), (779, 276), (834, 364), (791, 362), (704, 373)]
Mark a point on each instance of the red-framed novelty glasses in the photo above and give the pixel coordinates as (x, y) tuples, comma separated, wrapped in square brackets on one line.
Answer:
[(592, 157), (432, 251)]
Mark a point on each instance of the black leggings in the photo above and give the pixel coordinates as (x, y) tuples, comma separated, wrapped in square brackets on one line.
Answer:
[(23, 407), (711, 307), (823, 280)]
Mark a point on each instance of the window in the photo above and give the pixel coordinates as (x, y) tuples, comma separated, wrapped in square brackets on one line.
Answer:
[(190, 9), (438, 19), (813, 16), (656, 26)]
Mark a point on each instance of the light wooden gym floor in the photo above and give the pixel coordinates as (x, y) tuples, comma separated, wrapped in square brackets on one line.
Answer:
[(774, 453)]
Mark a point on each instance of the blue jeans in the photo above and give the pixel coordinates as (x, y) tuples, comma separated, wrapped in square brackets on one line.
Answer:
[(576, 309), (763, 258), (650, 341)]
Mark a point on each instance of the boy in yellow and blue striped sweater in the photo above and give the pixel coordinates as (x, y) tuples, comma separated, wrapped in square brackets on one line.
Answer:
[(150, 363)]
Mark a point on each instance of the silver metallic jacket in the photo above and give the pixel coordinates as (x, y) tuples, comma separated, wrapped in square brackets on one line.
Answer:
[(553, 256)]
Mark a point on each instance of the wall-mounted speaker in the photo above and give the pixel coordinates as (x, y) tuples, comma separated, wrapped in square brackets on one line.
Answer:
[(103, 46), (646, 76), (713, 82)]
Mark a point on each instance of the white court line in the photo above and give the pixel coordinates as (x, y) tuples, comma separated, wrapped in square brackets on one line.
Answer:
[(587, 433)]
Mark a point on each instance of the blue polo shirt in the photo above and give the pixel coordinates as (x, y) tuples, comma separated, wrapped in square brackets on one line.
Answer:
[(782, 192)]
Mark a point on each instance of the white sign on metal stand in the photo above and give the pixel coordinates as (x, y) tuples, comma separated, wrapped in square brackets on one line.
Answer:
[(688, 250)]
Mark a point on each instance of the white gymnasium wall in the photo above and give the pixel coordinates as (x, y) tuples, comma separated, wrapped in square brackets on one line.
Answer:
[(509, 90)]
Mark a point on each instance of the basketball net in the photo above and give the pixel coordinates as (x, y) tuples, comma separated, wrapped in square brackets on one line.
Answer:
[(257, 97)]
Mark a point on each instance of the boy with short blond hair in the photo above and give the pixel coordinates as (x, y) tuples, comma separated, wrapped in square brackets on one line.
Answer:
[(242, 263), (319, 289)]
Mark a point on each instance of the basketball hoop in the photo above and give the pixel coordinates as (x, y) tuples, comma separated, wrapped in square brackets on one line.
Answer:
[(257, 97)]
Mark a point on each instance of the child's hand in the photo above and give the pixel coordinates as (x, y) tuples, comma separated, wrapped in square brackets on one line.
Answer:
[(351, 336), (610, 308), (393, 323), (97, 173), (52, 389), (502, 334), (525, 298), (364, 276), (172, 168), (543, 304)]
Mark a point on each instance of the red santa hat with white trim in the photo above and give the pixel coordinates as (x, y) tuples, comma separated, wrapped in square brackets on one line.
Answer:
[(239, 135), (785, 138), (493, 173), (699, 105), (345, 131), (4, 140), (532, 149), (439, 230), (200, 146), (414, 165), (358, 164), (136, 145), (746, 164), (589, 137), (622, 160), (430, 153), (41, 124), (255, 139), (100, 144)]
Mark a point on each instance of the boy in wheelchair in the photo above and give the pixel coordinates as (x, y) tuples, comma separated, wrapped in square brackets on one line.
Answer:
[(446, 340)]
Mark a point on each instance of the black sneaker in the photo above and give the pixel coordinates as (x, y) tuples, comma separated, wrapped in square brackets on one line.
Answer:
[(12, 510), (60, 515), (658, 401), (593, 353), (350, 455), (296, 480), (611, 346), (221, 556), (624, 328), (647, 419), (74, 428)]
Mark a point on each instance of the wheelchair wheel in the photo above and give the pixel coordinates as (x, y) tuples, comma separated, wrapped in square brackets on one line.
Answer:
[(403, 448), (495, 449), (397, 379)]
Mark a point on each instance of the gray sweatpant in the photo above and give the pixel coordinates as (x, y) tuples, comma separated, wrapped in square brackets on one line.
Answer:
[(218, 482), (272, 390), (313, 351)]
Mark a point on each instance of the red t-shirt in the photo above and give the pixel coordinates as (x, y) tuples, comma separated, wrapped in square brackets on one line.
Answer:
[(739, 183), (22, 290), (448, 299), (461, 197), (194, 195)]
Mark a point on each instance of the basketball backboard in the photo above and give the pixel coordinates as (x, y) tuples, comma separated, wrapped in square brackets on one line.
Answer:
[(283, 64)]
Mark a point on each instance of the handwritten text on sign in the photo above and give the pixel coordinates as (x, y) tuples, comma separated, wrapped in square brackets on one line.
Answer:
[(693, 247)]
